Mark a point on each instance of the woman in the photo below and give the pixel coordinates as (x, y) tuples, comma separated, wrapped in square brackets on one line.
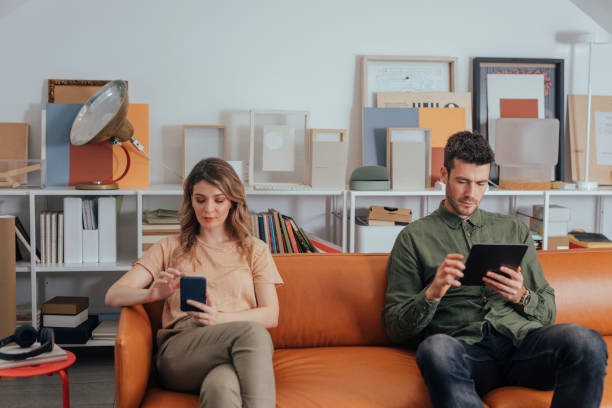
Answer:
[(223, 350)]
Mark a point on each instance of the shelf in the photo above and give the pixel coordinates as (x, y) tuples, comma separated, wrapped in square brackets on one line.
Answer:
[(91, 343)]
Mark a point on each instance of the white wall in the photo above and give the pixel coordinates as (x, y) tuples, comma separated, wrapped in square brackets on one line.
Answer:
[(208, 62)]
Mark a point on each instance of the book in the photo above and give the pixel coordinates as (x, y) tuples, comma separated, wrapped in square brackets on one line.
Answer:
[(579, 239), (76, 335), (56, 354), (64, 320), (26, 237), (25, 242), (105, 330), (323, 245), (68, 305)]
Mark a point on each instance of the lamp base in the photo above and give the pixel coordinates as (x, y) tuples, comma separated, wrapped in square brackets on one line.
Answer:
[(587, 185), (97, 185)]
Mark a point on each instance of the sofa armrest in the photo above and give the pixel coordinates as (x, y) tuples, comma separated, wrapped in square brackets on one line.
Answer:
[(133, 354)]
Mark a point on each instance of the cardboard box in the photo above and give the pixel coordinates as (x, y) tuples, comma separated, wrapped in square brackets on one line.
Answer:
[(558, 242), (380, 213)]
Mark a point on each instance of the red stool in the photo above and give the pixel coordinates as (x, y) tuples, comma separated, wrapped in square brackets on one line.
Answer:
[(58, 367)]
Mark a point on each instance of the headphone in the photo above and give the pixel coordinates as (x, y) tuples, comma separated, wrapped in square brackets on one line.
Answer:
[(25, 336)]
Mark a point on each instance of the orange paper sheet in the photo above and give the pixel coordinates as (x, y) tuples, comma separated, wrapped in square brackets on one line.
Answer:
[(443, 123)]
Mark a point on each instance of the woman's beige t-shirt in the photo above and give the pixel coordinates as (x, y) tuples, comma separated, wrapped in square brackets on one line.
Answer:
[(230, 276)]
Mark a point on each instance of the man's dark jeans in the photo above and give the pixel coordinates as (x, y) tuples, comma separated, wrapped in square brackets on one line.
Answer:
[(568, 358)]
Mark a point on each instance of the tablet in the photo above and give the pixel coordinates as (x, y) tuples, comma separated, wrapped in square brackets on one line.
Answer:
[(490, 257)]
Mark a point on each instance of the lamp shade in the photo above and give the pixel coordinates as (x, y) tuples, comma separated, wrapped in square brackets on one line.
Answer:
[(103, 116)]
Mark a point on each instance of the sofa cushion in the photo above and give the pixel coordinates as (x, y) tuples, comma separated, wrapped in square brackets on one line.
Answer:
[(331, 300), (350, 377)]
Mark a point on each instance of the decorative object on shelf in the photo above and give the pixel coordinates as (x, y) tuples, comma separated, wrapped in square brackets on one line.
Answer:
[(409, 157), (328, 151), (387, 73), (202, 141), (527, 152), (383, 215), (74, 91), (278, 148), (369, 178), (602, 122), (14, 164), (600, 158), (501, 91), (428, 100), (103, 118)]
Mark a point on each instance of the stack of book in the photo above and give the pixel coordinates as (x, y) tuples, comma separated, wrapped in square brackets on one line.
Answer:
[(160, 216), (52, 237), (153, 233), (581, 239), (65, 311), (68, 316), (280, 232), (106, 330)]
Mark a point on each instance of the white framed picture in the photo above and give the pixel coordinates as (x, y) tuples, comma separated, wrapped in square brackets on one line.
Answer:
[(278, 148)]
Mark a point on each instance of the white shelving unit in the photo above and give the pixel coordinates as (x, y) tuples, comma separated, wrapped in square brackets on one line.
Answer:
[(28, 204), (503, 201)]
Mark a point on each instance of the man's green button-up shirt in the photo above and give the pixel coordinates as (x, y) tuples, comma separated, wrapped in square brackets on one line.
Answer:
[(418, 251)]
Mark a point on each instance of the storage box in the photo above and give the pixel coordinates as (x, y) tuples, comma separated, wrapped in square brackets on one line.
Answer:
[(555, 228), (375, 238), (394, 214), (559, 242), (555, 212)]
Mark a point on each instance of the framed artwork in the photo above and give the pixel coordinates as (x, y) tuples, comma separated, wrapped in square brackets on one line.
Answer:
[(200, 142), (382, 73), (600, 146), (328, 150), (518, 88), (73, 90), (278, 149)]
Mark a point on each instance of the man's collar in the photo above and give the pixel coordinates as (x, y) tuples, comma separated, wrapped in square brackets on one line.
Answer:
[(454, 221)]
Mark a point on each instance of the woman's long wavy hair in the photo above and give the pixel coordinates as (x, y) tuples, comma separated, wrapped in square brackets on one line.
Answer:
[(220, 174)]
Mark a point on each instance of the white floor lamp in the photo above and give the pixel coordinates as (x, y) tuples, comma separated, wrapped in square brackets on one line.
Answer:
[(585, 183)]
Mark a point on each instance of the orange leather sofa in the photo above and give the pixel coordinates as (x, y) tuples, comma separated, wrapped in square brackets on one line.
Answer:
[(330, 346)]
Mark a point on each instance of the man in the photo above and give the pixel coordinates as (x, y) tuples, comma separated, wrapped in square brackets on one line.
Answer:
[(476, 338)]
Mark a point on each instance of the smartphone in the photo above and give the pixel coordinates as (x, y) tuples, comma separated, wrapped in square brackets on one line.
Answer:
[(192, 287)]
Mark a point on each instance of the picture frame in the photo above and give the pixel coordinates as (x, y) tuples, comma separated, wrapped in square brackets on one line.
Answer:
[(202, 141), (387, 73), (327, 158), (551, 69), (409, 158), (281, 137), (73, 91)]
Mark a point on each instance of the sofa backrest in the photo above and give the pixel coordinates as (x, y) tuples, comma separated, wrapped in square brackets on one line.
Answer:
[(330, 300), (582, 279), (337, 299)]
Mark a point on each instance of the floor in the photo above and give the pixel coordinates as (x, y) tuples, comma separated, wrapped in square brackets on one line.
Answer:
[(91, 384)]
